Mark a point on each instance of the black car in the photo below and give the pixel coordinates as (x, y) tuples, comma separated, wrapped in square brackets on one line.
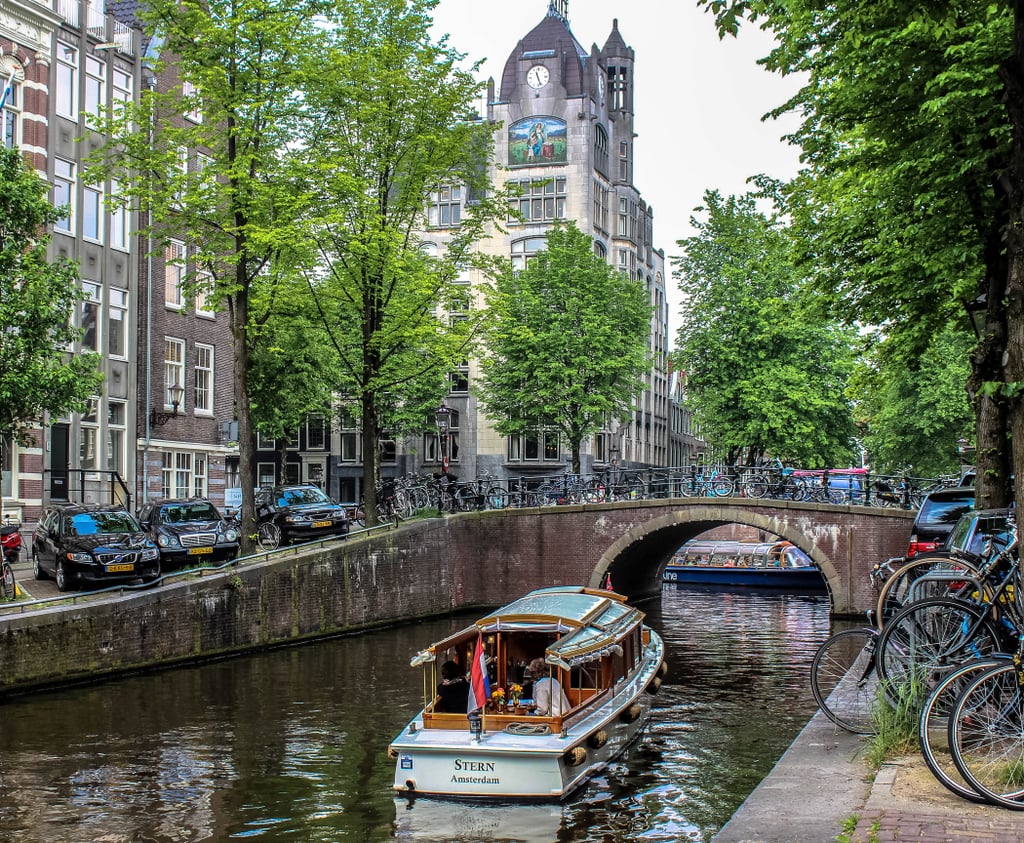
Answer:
[(975, 529), (300, 512), (189, 530), (89, 543), (937, 517)]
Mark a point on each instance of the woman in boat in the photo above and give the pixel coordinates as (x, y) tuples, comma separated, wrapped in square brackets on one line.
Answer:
[(453, 690), (547, 692)]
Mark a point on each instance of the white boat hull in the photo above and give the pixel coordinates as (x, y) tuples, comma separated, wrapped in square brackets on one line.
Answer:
[(507, 765)]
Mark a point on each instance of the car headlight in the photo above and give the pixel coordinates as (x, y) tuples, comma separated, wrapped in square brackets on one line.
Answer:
[(79, 557), (231, 535), (296, 519), (166, 540), (150, 554)]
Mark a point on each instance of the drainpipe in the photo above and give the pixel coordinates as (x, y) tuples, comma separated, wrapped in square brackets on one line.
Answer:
[(149, 320)]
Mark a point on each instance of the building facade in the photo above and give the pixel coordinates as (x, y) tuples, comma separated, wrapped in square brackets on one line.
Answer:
[(565, 136)]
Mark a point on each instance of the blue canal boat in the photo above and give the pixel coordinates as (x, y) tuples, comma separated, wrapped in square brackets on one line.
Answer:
[(777, 565)]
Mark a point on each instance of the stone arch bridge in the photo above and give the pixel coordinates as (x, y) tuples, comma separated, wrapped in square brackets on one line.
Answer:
[(497, 555)]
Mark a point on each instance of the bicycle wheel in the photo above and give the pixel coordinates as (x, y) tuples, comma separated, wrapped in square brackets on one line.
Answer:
[(496, 498), (933, 726), (268, 536), (904, 585), (756, 486), (986, 736), (722, 486), (7, 580), (465, 499), (843, 679), (929, 639)]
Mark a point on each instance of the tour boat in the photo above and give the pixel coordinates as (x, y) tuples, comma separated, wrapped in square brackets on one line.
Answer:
[(609, 665), (779, 565)]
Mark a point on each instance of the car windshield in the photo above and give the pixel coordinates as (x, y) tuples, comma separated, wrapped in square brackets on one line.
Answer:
[(91, 523), (297, 497), (946, 512), (180, 513)]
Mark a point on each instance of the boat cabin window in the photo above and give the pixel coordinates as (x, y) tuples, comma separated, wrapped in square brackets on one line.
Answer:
[(587, 676)]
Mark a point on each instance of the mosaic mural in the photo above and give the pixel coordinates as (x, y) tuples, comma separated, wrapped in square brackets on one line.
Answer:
[(537, 140)]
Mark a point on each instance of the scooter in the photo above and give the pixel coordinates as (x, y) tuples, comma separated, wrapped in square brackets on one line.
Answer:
[(10, 540)]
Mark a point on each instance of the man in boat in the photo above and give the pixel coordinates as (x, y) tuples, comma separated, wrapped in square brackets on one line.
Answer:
[(548, 695), (453, 690)]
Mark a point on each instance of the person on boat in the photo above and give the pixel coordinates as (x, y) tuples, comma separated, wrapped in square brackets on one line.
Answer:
[(548, 695), (453, 690)]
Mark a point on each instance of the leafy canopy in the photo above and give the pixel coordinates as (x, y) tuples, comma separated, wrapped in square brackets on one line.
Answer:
[(37, 302), (765, 374), (567, 341)]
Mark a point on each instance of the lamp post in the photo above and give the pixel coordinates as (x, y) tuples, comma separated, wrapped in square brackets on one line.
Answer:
[(176, 392), (443, 419)]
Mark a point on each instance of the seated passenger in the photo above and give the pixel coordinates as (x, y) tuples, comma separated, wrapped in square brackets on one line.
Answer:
[(548, 695), (453, 690)]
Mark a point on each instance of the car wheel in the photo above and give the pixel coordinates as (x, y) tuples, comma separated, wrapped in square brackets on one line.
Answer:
[(62, 577), (37, 570)]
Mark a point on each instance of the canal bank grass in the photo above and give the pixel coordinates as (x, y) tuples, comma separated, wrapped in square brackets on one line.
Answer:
[(850, 826), (895, 715)]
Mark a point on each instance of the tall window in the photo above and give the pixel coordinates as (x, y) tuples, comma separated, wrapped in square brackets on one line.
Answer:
[(204, 287), (66, 92), (90, 317), (601, 150), (204, 379), (117, 322), (120, 221), (95, 87), (88, 450), (174, 273), (92, 213), (180, 175), (12, 115), (524, 250), (190, 94), (122, 85), (116, 414), (623, 230), (174, 368), (445, 208), (624, 161), (534, 446), (349, 436), (540, 200), (64, 193), (316, 432), (600, 205)]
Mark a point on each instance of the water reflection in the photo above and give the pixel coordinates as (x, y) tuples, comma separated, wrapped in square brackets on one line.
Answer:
[(291, 745)]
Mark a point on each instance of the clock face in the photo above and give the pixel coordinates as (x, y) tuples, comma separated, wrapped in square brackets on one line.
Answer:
[(537, 76)]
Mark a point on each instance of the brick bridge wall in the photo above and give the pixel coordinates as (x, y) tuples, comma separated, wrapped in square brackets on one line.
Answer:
[(421, 569)]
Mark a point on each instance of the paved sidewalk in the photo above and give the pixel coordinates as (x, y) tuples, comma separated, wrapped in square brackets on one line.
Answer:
[(822, 783)]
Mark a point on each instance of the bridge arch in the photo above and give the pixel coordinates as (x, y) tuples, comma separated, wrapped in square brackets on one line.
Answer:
[(636, 560)]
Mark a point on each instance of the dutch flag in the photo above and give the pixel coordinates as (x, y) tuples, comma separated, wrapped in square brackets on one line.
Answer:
[(479, 687)]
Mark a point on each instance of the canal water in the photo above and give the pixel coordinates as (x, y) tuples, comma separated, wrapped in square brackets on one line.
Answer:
[(291, 745)]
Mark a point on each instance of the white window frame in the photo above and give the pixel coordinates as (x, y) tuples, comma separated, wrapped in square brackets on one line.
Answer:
[(12, 122), (174, 274), (120, 219), (95, 88), (117, 315), (92, 213), (174, 370), (64, 193), (89, 436), (91, 313), (203, 393), (66, 81), (204, 288), (189, 91), (122, 86), (117, 414)]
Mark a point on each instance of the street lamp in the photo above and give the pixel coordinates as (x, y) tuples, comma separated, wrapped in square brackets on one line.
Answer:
[(176, 392), (443, 419)]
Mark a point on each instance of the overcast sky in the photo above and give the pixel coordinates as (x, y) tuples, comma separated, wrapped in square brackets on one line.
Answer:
[(699, 101)]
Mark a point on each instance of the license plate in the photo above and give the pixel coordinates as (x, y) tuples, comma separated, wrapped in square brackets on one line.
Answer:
[(318, 524), (116, 569), (195, 551)]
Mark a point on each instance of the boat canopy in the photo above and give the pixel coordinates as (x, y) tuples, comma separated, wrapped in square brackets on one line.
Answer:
[(589, 624)]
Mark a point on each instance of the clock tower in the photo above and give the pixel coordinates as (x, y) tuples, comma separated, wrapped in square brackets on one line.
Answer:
[(564, 139)]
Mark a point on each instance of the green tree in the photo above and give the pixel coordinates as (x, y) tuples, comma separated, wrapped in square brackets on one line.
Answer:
[(242, 76), (389, 121), (566, 342), (913, 416), (765, 374), (37, 303), (902, 206)]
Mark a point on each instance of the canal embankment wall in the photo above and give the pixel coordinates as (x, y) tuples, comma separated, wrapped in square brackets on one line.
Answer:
[(415, 570)]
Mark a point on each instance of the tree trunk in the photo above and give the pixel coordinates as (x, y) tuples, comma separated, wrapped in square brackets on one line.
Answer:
[(1012, 74), (371, 459), (238, 307)]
